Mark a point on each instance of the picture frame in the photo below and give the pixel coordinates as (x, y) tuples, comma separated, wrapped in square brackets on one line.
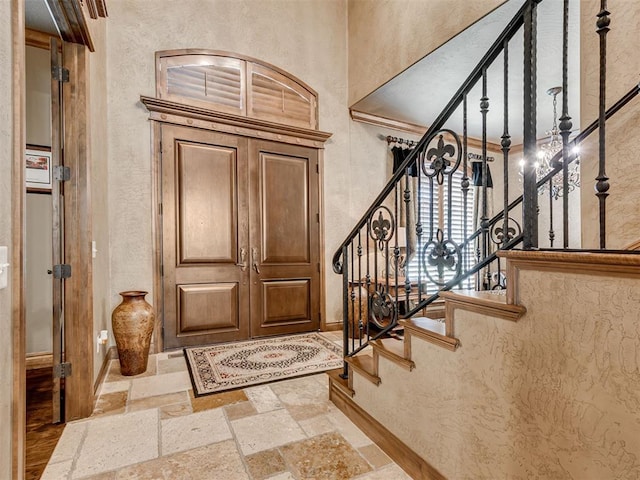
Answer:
[(38, 174)]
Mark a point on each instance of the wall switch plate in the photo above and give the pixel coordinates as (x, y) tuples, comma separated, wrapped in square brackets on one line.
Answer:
[(94, 250), (4, 266)]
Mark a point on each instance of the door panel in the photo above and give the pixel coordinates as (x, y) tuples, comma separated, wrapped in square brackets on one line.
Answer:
[(284, 182), (284, 232), (205, 235), (207, 195)]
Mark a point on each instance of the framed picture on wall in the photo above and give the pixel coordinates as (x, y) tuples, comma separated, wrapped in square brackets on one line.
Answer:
[(38, 169)]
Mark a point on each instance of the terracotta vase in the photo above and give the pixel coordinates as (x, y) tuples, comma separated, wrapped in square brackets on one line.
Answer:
[(132, 322)]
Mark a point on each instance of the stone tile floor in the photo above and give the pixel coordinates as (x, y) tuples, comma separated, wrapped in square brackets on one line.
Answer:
[(151, 427)]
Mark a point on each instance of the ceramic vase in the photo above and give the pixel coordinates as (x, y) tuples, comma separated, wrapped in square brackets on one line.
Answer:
[(132, 322)]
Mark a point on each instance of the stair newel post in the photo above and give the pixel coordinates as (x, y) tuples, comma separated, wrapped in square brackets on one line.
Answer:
[(530, 191), (484, 224), (506, 147), (345, 310), (602, 181)]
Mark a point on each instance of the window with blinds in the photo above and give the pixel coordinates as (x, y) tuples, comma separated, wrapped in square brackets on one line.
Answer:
[(416, 268)]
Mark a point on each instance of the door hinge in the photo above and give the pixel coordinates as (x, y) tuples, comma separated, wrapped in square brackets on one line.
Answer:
[(318, 217), (60, 74), (61, 173), (62, 270), (162, 270), (62, 370), (318, 267), (159, 209), (317, 168)]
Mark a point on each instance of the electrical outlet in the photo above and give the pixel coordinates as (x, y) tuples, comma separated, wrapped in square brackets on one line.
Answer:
[(4, 267)]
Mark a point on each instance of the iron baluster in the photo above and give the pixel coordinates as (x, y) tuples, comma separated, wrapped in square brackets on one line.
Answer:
[(408, 204), (484, 109), (602, 181), (530, 191), (419, 229), (552, 234), (359, 284), (565, 125), (506, 146), (464, 184), (345, 311)]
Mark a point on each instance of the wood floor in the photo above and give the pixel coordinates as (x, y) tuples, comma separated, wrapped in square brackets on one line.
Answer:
[(42, 436)]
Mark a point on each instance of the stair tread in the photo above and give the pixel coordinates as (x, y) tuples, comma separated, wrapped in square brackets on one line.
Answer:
[(487, 302), (393, 349), (339, 382), (496, 296), (365, 365), (425, 323)]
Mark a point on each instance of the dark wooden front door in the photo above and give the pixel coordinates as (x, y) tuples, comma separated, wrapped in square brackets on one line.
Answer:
[(204, 237), (239, 237), (284, 232)]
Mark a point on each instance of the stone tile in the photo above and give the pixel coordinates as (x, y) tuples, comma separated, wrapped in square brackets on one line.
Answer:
[(374, 455), (175, 410), (332, 458), (348, 430), (263, 398), (264, 464), (112, 443), (317, 425), (110, 404), (114, 374), (283, 476), (240, 410), (391, 472), (157, 401), (195, 430), (174, 354), (266, 431), (171, 365), (69, 442), (220, 461), (102, 476), (118, 386), (304, 397), (57, 471), (159, 385), (216, 400)]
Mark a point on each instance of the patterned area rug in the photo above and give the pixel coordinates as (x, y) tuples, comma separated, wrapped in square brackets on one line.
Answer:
[(237, 365)]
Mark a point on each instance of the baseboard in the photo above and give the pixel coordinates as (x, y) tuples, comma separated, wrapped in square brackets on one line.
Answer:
[(38, 360), (406, 458), (331, 327), (111, 354)]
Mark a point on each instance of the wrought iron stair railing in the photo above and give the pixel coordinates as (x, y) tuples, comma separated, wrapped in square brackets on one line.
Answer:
[(421, 235)]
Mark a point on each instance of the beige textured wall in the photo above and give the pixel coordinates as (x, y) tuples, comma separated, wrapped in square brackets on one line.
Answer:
[(623, 130), (6, 348), (554, 395), (385, 37), (307, 39), (99, 186)]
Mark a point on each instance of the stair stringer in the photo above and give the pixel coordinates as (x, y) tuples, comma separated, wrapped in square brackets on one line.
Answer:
[(551, 395)]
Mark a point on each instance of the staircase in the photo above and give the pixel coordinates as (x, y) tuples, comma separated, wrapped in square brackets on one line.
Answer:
[(425, 274)]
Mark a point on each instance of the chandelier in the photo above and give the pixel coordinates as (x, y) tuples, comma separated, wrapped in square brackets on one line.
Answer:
[(546, 153)]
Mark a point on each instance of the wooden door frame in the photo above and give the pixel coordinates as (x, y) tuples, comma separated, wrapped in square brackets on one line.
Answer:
[(168, 112), (79, 342)]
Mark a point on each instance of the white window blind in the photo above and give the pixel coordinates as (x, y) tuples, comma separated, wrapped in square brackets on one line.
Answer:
[(415, 268)]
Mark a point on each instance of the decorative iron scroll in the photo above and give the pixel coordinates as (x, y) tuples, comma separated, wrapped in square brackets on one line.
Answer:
[(500, 237), (383, 308), (382, 226), (438, 161), (444, 255)]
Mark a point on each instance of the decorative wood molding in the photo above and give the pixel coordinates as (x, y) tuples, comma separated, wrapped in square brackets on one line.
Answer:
[(179, 114), (392, 350), (331, 327), (71, 22), (39, 360), (396, 449), (408, 127), (339, 382), (416, 327), (366, 366), (34, 38), (589, 263), (112, 354), (483, 302)]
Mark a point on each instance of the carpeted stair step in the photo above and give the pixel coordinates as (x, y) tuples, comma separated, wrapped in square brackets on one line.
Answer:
[(365, 366), (394, 350)]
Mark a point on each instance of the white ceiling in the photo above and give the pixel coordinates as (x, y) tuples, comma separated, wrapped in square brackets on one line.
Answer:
[(420, 93), (38, 17)]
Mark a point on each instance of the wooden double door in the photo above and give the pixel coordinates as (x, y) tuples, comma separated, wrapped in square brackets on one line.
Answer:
[(240, 237)]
